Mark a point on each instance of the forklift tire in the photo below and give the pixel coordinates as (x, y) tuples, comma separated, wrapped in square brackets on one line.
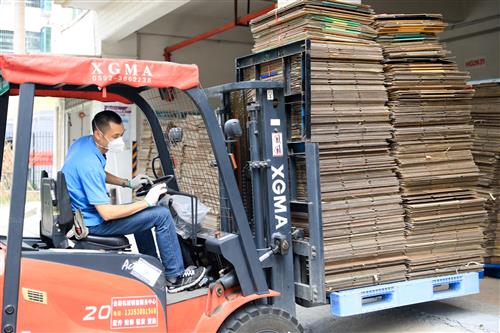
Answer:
[(260, 319)]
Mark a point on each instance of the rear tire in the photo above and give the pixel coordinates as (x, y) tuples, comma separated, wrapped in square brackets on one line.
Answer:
[(261, 319)]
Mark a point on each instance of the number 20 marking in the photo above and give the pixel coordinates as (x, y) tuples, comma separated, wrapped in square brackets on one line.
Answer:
[(103, 313)]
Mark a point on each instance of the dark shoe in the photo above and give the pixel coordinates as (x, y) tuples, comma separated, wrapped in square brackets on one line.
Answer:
[(188, 279)]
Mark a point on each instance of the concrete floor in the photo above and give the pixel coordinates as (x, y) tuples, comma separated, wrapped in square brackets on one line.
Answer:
[(475, 313)]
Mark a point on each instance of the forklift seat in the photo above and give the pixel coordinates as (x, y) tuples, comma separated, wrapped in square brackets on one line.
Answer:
[(58, 219)]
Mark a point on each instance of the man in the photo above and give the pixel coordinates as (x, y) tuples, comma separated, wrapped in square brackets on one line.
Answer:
[(86, 180)]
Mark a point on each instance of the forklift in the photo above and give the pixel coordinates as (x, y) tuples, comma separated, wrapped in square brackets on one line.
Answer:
[(57, 283)]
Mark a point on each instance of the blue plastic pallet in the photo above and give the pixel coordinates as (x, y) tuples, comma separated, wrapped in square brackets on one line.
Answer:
[(492, 270), (369, 299)]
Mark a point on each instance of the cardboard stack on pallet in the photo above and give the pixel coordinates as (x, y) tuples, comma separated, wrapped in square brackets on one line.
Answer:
[(327, 21), (430, 104), (486, 151), (363, 227)]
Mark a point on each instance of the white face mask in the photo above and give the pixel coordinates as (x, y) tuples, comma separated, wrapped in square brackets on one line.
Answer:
[(114, 146)]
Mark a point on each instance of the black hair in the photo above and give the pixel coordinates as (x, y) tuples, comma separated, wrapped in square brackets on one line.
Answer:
[(103, 118)]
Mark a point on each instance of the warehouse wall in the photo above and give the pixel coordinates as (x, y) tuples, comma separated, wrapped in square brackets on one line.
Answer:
[(479, 55), (215, 57), (126, 48), (73, 36), (473, 34), (476, 41)]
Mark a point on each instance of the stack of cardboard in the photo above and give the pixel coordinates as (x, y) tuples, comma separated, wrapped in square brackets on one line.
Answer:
[(333, 21), (7, 171), (363, 227), (486, 151), (146, 150), (430, 104), (196, 164)]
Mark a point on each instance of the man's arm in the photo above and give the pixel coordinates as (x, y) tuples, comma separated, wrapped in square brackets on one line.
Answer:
[(134, 183), (113, 212), (114, 180)]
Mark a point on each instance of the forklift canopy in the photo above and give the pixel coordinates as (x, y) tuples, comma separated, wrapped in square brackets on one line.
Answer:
[(54, 70)]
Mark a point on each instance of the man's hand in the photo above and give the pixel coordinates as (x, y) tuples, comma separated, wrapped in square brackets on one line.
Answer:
[(138, 181), (154, 194)]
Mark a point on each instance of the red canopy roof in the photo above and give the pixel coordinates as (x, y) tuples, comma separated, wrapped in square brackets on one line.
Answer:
[(54, 70)]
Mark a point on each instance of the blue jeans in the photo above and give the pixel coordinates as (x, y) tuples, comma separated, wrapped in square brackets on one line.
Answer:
[(140, 224)]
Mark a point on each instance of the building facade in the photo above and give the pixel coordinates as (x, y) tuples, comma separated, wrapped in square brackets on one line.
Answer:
[(38, 27)]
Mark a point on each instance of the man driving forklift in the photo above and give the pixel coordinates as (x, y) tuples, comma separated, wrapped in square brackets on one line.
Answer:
[(86, 178)]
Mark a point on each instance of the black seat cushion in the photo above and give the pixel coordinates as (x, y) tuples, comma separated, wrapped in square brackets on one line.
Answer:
[(93, 242)]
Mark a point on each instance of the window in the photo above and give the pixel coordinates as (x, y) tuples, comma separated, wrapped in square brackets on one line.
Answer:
[(6, 41), (32, 3), (45, 39), (32, 41), (76, 12), (35, 41), (46, 5)]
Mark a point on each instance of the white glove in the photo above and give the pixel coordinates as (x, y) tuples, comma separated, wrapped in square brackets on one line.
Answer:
[(154, 194), (138, 181)]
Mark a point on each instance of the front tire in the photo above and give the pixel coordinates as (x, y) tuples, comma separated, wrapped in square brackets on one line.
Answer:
[(261, 319)]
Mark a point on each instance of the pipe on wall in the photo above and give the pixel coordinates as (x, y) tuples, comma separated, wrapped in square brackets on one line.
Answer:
[(167, 53)]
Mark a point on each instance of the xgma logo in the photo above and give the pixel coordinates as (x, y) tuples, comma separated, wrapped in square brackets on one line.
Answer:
[(121, 72), (279, 188), (114, 68)]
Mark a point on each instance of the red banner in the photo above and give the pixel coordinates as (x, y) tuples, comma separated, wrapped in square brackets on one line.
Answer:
[(40, 158)]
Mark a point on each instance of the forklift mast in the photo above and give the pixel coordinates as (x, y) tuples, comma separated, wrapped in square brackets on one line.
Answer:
[(269, 171)]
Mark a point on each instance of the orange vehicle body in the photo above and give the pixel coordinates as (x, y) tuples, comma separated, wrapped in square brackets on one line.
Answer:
[(55, 297)]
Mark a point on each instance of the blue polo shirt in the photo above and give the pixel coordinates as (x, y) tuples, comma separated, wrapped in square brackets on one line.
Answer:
[(86, 179)]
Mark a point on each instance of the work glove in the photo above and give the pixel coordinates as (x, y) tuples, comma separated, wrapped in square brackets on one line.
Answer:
[(154, 194), (138, 181)]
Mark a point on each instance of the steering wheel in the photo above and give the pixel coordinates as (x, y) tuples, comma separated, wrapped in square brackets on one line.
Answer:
[(144, 189)]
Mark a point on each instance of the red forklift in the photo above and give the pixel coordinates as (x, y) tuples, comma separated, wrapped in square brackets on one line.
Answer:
[(56, 283)]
